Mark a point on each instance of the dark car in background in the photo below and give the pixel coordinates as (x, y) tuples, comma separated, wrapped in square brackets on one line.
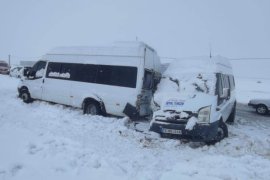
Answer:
[(4, 67)]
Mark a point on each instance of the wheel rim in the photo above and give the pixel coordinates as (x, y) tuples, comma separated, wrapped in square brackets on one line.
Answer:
[(261, 110), (24, 97), (91, 109)]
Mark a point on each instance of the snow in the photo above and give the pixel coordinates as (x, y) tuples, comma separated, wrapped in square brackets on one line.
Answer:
[(40, 72), (251, 76), (190, 76), (191, 123), (49, 141), (252, 88), (61, 75)]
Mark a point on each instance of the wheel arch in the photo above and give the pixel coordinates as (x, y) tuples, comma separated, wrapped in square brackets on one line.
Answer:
[(22, 88), (96, 100), (261, 104)]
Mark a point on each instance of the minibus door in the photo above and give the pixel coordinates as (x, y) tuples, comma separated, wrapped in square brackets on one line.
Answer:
[(35, 78)]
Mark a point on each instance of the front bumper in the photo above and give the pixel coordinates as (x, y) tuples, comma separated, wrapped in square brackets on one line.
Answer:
[(199, 133), (4, 71)]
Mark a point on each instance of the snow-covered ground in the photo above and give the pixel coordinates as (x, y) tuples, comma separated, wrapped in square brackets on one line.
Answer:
[(48, 141), (252, 79), (251, 88)]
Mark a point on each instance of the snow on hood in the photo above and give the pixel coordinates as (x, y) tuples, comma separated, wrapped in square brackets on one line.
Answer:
[(190, 80)]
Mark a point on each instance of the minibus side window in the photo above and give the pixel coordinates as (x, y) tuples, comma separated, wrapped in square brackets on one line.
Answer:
[(67, 71), (219, 88), (53, 70), (232, 85), (38, 69), (123, 76), (85, 73)]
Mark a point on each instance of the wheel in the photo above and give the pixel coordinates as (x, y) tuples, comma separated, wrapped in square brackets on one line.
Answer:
[(92, 108), (25, 96), (222, 133), (261, 109), (231, 118)]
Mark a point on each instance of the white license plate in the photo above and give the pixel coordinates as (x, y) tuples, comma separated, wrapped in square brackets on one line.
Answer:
[(171, 131)]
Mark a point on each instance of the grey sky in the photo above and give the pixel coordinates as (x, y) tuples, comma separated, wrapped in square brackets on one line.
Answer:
[(175, 28)]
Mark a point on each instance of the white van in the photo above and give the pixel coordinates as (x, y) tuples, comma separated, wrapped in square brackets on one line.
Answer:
[(117, 80), (194, 100)]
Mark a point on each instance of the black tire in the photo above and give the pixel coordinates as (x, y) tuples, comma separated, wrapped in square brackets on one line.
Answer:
[(221, 134), (92, 108), (262, 109), (231, 118), (25, 96)]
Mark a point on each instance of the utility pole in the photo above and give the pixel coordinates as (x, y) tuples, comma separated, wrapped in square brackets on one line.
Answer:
[(9, 59)]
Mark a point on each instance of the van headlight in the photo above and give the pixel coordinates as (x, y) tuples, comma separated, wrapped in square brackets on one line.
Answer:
[(204, 115)]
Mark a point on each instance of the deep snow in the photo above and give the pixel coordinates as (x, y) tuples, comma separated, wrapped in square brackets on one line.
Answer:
[(48, 141)]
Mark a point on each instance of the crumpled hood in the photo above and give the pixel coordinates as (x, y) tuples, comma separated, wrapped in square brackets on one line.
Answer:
[(187, 102)]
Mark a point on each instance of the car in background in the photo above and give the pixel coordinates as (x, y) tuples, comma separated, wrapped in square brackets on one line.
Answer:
[(4, 67), (262, 106), (16, 71)]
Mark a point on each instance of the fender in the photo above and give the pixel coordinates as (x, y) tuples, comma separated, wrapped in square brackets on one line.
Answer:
[(95, 98)]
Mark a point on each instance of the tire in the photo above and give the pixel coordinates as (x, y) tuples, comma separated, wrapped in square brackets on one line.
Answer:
[(92, 108), (25, 96), (221, 134), (231, 118), (262, 109)]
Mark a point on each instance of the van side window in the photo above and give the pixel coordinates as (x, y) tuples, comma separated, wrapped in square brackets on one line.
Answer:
[(39, 69), (53, 70), (85, 73), (219, 88), (226, 81), (104, 75), (65, 72), (232, 83), (123, 76)]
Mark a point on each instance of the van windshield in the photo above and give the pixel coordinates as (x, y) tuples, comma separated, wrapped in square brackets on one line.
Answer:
[(189, 83)]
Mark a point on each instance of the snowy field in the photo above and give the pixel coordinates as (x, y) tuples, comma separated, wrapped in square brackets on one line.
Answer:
[(48, 141)]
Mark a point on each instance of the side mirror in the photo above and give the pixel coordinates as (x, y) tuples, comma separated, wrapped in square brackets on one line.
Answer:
[(31, 73), (225, 93), (26, 72)]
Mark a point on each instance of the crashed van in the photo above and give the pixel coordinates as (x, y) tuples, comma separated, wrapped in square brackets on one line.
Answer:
[(118, 79), (194, 100)]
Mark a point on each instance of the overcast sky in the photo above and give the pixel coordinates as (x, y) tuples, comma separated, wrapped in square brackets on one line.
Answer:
[(175, 28)]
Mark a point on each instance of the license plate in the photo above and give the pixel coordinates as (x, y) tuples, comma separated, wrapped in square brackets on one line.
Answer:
[(171, 131)]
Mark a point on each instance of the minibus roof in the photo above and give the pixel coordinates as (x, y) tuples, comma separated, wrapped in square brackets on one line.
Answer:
[(130, 49)]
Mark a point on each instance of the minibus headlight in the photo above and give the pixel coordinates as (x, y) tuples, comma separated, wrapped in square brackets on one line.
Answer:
[(204, 115)]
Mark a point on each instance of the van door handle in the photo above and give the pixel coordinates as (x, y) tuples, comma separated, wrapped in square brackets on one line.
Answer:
[(43, 80)]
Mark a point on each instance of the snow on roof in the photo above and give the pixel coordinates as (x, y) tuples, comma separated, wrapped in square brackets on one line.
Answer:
[(202, 64), (116, 49)]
